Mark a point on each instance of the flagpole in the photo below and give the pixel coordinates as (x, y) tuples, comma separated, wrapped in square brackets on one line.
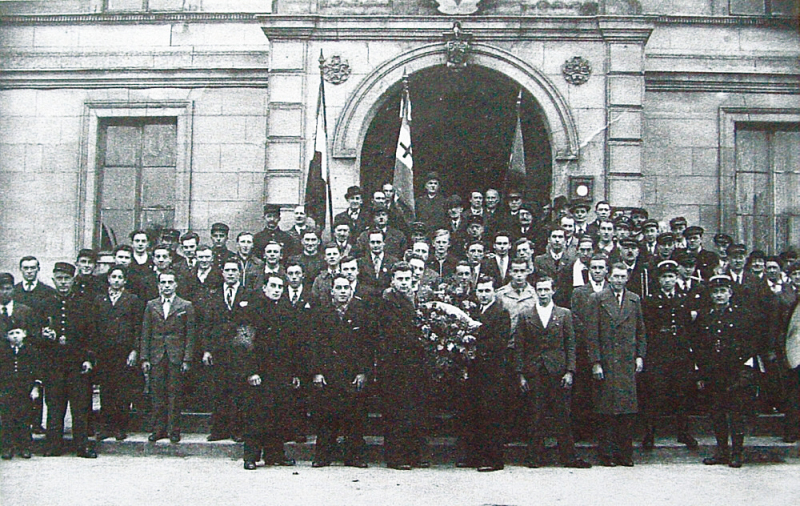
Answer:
[(328, 192)]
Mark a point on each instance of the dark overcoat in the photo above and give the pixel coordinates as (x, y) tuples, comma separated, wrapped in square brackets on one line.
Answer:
[(615, 338)]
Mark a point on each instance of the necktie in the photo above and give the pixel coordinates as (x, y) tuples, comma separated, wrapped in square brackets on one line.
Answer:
[(229, 297), (166, 306), (28, 287), (585, 274), (295, 296), (619, 299), (376, 264), (5, 316)]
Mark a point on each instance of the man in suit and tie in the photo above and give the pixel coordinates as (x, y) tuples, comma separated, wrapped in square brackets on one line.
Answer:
[(497, 264), (228, 314), (457, 225), (394, 240), (375, 266), (35, 294), (649, 239), (168, 335), (545, 356), (579, 210), (555, 258), (638, 272), (617, 342), (355, 215), (577, 273)]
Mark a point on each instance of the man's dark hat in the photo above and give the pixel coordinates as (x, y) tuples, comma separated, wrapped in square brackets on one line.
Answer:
[(170, 233), (6, 278), (352, 192), (88, 253), (629, 242), (639, 211), (674, 222), (578, 204), (419, 228), (665, 238), (757, 254), (65, 268), (693, 230), (623, 222), (341, 220), (377, 207), (220, 227), (650, 223), (454, 201), (272, 209), (720, 238), (431, 176), (737, 249), (685, 258), (474, 219)]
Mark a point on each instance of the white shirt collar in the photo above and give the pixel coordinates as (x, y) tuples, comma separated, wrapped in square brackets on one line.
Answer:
[(9, 307)]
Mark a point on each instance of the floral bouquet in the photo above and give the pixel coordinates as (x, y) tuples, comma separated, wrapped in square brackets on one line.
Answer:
[(447, 332)]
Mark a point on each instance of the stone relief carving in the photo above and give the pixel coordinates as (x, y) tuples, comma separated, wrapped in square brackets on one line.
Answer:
[(335, 70), (576, 70), (460, 7), (458, 47)]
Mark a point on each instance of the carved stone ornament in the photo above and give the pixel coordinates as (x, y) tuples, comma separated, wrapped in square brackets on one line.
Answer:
[(576, 70), (335, 70), (459, 7), (458, 47)]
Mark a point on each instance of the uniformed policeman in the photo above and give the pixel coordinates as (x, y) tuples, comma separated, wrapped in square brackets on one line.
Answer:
[(219, 245), (728, 366), (667, 380)]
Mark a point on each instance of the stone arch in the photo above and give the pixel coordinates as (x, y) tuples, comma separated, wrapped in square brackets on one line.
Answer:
[(364, 102)]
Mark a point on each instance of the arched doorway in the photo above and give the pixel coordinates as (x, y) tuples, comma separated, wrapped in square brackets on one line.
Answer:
[(463, 127)]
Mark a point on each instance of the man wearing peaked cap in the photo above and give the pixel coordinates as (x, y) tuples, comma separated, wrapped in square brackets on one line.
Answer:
[(677, 226), (649, 238), (271, 232), (219, 245), (666, 384), (456, 224), (707, 261)]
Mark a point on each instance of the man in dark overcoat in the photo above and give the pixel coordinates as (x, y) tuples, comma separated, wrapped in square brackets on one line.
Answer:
[(617, 341), (402, 373), (340, 359)]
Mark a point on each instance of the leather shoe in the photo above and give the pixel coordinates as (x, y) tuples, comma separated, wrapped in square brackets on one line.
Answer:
[(715, 460), (423, 464), (489, 469), (25, 454), (175, 438), (399, 467), (216, 437), (7, 455), (87, 453), (155, 436), (625, 461), (688, 440), (320, 463), (121, 435), (607, 462), (578, 464), (356, 463), (461, 464), (736, 462), (249, 465), (286, 462)]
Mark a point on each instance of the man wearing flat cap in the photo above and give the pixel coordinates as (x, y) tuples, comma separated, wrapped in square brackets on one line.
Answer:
[(431, 207), (394, 241), (457, 224), (677, 226), (638, 274), (87, 285), (69, 358), (649, 239), (707, 261), (666, 384), (271, 232), (354, 215)]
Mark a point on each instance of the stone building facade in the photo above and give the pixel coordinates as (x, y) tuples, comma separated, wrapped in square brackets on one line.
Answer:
[(123, 113)]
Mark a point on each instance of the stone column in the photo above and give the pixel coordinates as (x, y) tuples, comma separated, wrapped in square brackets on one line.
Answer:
[(625, 39)]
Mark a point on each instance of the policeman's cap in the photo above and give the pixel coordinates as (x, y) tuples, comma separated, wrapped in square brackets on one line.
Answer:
[(685, 258), (679, 221), (638, 211), (650, 223), (220, 227), (667, 266), (623, 222), (629, 242), (693, 230), (665, 238), (720, 280), (88, 253), (272, 209), (170, 233), (737, 249), (64, 268), (723, 240)]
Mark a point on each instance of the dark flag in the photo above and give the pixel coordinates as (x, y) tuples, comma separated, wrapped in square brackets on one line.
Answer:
[(317, 191), (516, 173)]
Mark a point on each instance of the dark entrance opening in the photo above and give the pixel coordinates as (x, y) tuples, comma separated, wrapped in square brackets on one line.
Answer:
[(462, 127)]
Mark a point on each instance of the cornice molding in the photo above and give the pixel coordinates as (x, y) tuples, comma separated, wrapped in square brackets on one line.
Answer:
[(759, 21), (722, 82), (483, 28), (129, 18), (134, 78)]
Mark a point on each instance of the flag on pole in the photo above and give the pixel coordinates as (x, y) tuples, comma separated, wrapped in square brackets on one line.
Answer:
[(318, 181), (516, 173), (404, 161)]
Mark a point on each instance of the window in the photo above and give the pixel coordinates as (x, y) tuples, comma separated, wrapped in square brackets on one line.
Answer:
[(763, 7), (136, 177), (767, 184)]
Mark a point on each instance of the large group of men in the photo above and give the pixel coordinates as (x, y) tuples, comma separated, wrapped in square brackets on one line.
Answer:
[(592, 322)]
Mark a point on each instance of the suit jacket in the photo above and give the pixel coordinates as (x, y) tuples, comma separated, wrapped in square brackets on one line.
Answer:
[(492, 268), (432, 211), (443, 269), (615, 337), (312, 265), (552, 347), (579, 305), (119, 326), (516, 302), (221, 333), (367, 274), (172, 337), (252, 271), (36, 299), (487, 371), (395, 243), (545, 265), (356, 226)]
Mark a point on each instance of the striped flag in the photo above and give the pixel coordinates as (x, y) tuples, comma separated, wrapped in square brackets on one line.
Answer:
[(404, 161), (318, 182), (516, 173)]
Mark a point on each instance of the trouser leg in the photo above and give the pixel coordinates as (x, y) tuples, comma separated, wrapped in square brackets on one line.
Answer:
[(56, 409), (80, 402), (174, 387), (158, 392), (353, 423)]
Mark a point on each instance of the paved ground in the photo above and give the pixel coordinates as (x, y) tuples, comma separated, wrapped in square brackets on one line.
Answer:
[(124, 480)]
